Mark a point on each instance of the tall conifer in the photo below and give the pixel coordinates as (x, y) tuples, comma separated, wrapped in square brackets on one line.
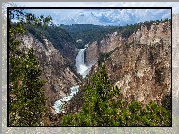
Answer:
[(26, 95)]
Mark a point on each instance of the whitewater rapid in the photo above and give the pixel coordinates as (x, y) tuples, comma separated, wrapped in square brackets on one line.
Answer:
[(59, 103), (83, 70)]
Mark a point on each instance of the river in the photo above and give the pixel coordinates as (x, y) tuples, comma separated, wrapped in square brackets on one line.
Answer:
[(83, 70)]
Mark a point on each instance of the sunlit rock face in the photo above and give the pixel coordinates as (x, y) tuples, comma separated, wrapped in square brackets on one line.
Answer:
[(143, 70), (156, 34), (110, 42), (107, 44), (91, 54)]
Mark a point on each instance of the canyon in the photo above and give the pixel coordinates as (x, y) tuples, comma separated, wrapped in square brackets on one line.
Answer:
[(139, 65), (56, 69)]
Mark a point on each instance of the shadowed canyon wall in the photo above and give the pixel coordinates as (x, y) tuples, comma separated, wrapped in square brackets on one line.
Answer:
[(56, 70)]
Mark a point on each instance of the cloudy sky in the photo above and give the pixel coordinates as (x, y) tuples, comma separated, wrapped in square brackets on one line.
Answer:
[(102, 16)]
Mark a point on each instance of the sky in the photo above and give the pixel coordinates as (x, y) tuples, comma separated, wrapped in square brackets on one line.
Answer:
[(102, 16)]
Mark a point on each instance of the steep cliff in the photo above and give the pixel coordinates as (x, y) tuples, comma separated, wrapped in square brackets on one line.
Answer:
[(60, 39), (91, 54), (151, 34), (58, 72), (107, 44), (110, 42), (141, 66)]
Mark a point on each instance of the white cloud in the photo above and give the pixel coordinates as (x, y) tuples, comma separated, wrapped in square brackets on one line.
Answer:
[(111, 16)]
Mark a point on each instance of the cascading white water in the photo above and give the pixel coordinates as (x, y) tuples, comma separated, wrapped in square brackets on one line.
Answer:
[(59, 103), (83, 70), (80, 64), (80, 57)]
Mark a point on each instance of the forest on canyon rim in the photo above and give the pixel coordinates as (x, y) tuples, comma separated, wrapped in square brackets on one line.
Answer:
[(101, 101)]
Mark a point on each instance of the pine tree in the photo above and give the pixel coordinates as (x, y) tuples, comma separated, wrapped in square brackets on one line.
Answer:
[(26, 96), (99, 103), (102, 107), (28, 105)]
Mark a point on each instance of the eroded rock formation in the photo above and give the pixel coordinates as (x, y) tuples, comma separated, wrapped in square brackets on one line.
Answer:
[(141, 66), (55, 68)]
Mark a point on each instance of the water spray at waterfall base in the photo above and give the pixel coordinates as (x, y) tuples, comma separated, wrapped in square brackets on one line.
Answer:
[(82, 70)]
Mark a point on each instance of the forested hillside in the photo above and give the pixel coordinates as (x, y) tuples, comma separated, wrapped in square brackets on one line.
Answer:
[(79, 35), (87, 33), (61, 39)]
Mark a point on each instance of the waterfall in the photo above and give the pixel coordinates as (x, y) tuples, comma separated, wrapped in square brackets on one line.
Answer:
[(80, 64), (80, 57), (83, 70)]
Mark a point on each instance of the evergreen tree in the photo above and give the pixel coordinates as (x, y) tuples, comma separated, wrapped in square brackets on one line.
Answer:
[(102, 107), (26, 96)]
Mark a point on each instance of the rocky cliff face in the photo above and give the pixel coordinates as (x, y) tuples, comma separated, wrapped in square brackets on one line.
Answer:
[(157, 33), (142, 72), (56, 70), (109, 42), (68, 50), (91, 54), (141, 66)]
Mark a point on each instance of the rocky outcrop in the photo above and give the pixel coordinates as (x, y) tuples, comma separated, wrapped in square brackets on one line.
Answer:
[(91, 54), (68, 50), (141, 66), (109, 43), (143, 72), (55, 68), (157, 33)]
